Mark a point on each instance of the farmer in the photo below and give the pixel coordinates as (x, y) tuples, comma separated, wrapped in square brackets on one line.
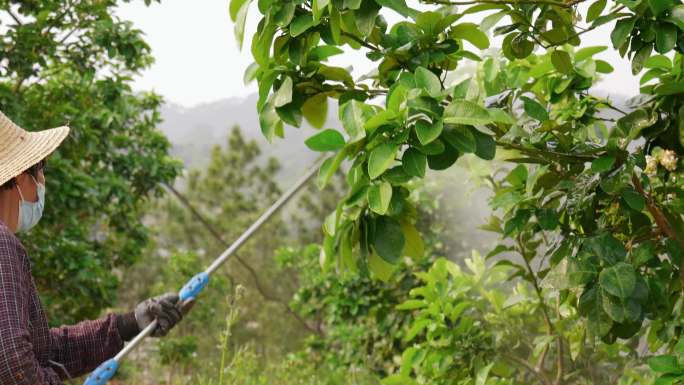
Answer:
[(30, 352)]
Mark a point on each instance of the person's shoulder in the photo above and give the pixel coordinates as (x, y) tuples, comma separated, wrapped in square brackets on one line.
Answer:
[(9, 243)]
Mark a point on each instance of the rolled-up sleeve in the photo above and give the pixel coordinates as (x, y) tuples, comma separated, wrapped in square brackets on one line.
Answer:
[(18, 363), (84, 346)]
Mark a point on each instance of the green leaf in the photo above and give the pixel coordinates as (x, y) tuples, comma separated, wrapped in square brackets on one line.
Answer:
[(380, 159), (521, 47), (658, 61), (621, 310), (322, 52), (557, 36), (328, 169), (379, 119), (400, 7), (315, 110), (389, 239), (603, 163), (660, 6), (517, 223), (635, 200), (606, 247), (250, 73), (603, 67), (491, 20), (411, 304), (462, 138), (445, 159), (379, 197), (351, 4), (335, 73), (396, 99), (265, 85), (633, 123), (534, 109), (234, 8), (595, 10), (417, 327), (414, 246), (427, 132), (471, 33), (301, 24), (285, 15), (561, 60), (483, 374), (335, 22), (364, 17), (380, 268), (613, 183), (402, 379), (643, 253), (618, 280), (270, 123), (666, 37), (570, 273), (435, 147), (623, 28), (353, 120), (485, 146), (414, 162), (640, 58), (588, 52), (669, 88), (517, 176), (346, 251), (326, 140), (677, 16), (665, 364), (547, 218), (284, 94), (591, 306), (462, 111), (500, 116), (429, 22), (240, 20), (428, 81), (317, 8), (427, 105)]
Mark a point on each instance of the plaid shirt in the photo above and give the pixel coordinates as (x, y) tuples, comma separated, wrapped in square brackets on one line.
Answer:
[(28, 348)]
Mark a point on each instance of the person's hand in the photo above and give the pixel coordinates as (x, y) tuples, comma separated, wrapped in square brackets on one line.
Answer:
[(164, 309)]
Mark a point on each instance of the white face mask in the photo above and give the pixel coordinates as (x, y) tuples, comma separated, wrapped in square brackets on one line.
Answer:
[(30, 212)]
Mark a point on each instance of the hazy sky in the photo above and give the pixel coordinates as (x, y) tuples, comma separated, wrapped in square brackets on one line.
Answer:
[(198, 60)]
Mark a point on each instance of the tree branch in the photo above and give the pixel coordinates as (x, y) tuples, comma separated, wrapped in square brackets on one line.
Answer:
[(661, 221), (361, 41), (575, 158), (541, 376), (507, 2), (584, 30), (14, 17), (561, 349)]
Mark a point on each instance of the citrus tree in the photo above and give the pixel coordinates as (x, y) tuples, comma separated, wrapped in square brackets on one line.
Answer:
[(593, 192), (72, 62)]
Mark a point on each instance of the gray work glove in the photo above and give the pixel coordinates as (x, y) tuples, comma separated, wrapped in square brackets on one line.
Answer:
[(164, 308)]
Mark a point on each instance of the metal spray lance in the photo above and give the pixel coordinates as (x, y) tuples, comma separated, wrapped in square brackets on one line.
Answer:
[(196, 284)]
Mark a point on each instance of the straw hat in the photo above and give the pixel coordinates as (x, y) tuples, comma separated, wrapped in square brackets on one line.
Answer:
[(20, 149)]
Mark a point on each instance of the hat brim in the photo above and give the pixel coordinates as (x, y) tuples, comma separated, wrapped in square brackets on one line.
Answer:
[(27, 149)]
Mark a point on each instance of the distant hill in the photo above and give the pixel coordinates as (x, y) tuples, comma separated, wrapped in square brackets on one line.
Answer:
[(194, 131)]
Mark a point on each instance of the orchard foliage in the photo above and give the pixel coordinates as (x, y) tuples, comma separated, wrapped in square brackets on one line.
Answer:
[(596, 200), (72, 62)]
